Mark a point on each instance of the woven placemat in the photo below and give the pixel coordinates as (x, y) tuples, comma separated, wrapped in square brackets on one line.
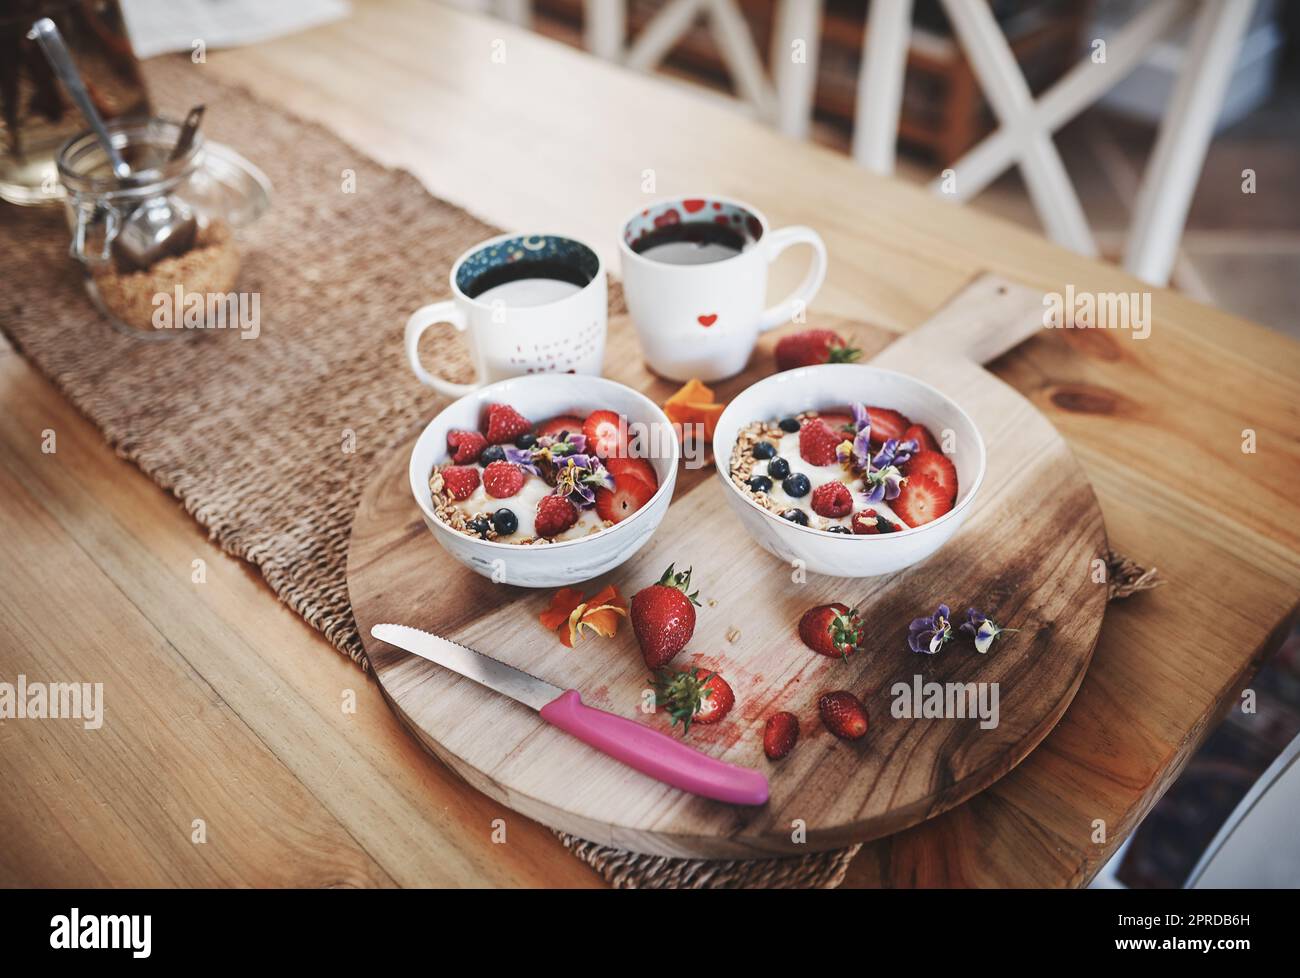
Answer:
[(268, 442)]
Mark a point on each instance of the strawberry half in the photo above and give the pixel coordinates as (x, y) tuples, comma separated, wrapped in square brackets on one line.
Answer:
[(555, 514), (637, 468), (843, 714), (565, 422), (817, 442), (920, 434), (505, 424), (811, 346), (833, 630), (921, 500), (692, 696), (466, 446), (780, 734), (663, 617), (837, 421), (606, 434), (832, 500), (886, 424), (629, 494), (937, 466)]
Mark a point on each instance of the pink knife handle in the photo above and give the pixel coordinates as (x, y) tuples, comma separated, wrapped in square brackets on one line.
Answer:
[(654, 753)]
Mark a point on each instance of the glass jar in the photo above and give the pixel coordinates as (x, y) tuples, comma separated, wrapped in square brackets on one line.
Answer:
[(36, 117), (222, 190)]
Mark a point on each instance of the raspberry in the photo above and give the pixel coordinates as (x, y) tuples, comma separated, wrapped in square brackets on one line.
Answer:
[(460, 480), (467, 446), (555, 514), (505, 424), (817, 442), (502, 480), (832, 500)]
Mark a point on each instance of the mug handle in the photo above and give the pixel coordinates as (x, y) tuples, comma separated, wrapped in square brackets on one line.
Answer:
[(421, 320), (777, 242)]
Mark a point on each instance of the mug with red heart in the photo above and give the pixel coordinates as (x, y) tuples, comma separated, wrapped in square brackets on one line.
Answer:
[(695, 280)]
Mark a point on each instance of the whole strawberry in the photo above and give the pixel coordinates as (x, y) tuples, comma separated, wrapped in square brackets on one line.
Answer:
[(663, 617), (692, 696), (833, 630), (843, 714), (813, 346), (779, 735)]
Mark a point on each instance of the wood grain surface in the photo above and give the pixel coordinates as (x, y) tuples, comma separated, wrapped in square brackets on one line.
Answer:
[(232, 705), (1025, 557)]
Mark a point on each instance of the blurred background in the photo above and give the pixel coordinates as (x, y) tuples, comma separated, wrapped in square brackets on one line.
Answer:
[(1171, 118)]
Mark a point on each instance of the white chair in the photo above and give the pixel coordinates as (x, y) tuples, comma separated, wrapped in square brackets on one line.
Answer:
[(1026, 126)]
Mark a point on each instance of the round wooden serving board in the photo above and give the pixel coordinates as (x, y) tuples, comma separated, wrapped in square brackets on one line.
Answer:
[(1025, 557)]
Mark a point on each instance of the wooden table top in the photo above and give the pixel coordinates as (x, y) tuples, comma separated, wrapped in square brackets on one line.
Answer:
[(234, 707)]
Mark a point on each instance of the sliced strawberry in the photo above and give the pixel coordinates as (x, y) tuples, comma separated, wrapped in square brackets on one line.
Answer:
[(565, 422), (920, 434), (555, 514), (817, 442), (606, 434), (460, 480), (637, 468), (501, 480), (628, 495), (921, 500), (466, 446), (505, 424), (937, 466), (832, 500), (886, 424), (843, 714), (780, 734), (837, 421)]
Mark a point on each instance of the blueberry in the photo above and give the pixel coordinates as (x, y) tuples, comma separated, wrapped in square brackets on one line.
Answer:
[(760, 483), (778, 468), (795, 516), (763, 449), (526, 440), (789, 424), (837, 528), (480, 526), (505, 522), (493, 453), (796, 485)]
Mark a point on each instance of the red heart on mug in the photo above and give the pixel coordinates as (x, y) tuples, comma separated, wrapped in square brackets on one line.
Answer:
[(708, 320)]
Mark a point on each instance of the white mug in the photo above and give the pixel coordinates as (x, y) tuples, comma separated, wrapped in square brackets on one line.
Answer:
[(526, 304), (695, 279)]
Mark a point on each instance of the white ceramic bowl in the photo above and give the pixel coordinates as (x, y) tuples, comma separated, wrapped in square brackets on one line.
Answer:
[(538, 398), (828, 386)]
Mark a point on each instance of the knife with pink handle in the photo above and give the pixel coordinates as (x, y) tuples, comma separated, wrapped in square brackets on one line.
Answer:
[(634, 744)]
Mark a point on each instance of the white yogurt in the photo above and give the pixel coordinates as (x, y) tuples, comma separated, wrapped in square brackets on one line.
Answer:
[(524, 505), (818, 475)]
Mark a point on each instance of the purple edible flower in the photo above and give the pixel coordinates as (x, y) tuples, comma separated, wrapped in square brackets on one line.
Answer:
[(861, 420), (928, 635), (578, 476), (983, 629), (894, 452), (882, 484), (524, 458)]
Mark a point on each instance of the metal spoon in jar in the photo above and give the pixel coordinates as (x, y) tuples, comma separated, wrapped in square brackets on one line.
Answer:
[(159, 226), (162, 225)]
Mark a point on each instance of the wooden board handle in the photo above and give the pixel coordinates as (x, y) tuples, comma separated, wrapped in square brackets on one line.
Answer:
[(981, 322)]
